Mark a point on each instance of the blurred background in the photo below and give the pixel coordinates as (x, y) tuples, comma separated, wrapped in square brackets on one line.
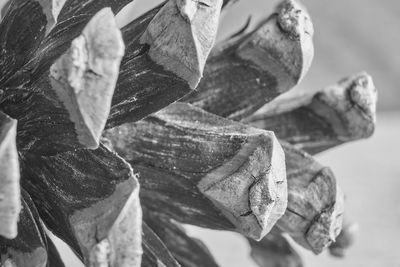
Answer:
[(350, 36)]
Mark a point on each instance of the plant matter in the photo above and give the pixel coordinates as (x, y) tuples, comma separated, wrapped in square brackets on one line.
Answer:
[(94, 147)]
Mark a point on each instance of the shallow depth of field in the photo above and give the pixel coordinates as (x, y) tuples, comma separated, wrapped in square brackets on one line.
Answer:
[(350, 36)]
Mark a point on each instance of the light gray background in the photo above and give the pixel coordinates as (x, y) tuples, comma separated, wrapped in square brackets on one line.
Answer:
[(350, 36)]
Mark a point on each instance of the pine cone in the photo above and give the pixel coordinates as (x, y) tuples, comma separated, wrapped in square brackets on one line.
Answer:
[(95, 147)]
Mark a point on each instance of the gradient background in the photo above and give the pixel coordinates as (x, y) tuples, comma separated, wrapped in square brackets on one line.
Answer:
[(350, 36)]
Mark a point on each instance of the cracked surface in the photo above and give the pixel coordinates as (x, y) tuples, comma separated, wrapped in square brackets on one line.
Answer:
[(315, 203), (317, 121), (250, 189), (206, 170)]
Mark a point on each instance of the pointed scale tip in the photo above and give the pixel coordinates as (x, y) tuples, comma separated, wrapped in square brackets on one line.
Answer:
[(258, 186), (354, 101), (181, 36), (84, 78)]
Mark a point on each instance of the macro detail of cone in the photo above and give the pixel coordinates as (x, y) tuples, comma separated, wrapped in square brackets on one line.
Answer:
[(246, 71), (334, 115), (181, 43), (241, 170), (10, 205), (315, 203), (267, 193), (110, 138), (89, 68), (29, 248)]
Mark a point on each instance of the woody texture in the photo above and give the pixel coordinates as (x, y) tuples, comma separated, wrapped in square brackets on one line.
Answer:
[(113, 138)]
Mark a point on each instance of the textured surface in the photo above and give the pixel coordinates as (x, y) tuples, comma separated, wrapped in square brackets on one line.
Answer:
[(122, 247), (86, 210), (84, 78), (30, 247), (10, 204), (218, 197), (71, 20), (377, 240), (245, 72), (143, 86), (358, 41), (57, 114), (155, 253), (16, 49), (316, 121), (315, 203), (149, 77), (223, 170), (181, 36)]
